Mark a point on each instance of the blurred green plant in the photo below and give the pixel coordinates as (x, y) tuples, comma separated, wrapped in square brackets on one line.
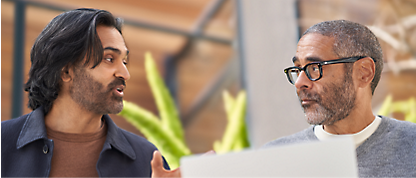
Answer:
[(167, 133), (235, 136), (407, 107)]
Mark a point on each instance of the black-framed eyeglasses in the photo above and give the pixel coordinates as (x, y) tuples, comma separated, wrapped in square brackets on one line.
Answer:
[(313, 70)]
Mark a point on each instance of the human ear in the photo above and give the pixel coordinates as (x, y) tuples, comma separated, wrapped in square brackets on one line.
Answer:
[(366, 71), (66, 74)]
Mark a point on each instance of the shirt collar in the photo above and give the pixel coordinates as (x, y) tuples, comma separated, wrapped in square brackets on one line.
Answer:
[(34, 129)]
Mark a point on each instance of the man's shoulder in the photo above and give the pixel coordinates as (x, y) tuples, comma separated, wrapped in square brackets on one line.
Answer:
[(390, 151), (136, 139), (137, 143), (302, 136), (403, 128), (399, 124)]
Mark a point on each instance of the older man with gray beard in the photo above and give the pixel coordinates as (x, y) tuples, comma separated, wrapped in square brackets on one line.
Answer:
[(337, 67)]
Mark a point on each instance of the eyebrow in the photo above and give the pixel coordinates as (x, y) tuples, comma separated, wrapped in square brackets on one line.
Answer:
[(115, 50), (309, 59), (294, 59)]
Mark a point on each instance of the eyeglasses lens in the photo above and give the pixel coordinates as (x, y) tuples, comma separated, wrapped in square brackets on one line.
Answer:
[(313, 71), (293, 75)]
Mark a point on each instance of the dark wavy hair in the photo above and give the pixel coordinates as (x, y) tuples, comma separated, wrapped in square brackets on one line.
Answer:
[(352, 39), (65, 42)]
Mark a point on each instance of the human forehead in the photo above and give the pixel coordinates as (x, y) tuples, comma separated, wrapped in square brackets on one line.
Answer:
[(110, 37), (314, 47)]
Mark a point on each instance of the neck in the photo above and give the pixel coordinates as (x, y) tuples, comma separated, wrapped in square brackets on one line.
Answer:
[(67, 116), (357, 120)]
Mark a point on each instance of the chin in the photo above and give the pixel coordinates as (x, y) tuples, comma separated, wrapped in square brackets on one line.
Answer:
[(314, 122), (116, 108), (314, 118)]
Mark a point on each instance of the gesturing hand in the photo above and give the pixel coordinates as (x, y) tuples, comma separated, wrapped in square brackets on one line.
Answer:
[(159, 171)]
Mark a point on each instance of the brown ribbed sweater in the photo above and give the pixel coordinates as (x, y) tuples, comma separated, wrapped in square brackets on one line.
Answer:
[(76, 155)]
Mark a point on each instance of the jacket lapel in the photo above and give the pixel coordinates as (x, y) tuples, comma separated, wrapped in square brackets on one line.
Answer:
[(116, 139)]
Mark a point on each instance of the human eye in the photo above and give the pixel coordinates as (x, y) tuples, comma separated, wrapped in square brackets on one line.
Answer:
[(108, 58), (315, 68), (312, 67)]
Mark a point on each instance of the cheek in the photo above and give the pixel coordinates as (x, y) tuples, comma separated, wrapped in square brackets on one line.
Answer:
[(101, 75), (330, 73), (323, 91), (330, 79)]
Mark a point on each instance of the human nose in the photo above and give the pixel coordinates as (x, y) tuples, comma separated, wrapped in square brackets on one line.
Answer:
[(122, 72), (303, 81)]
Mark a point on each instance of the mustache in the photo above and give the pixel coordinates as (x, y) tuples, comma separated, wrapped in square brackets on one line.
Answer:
[(116, 82), (303, 94)]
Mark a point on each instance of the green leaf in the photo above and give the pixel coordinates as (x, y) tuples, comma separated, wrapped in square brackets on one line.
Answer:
[(235, 135), (171, 148), (411, 114), (164, 101), (385, 109)]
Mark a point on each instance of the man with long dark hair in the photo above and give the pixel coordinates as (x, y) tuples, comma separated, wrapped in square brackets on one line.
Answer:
[(77, 77), (336, 69)]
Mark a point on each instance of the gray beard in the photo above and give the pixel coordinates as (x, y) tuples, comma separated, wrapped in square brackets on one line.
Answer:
[(333, 104)]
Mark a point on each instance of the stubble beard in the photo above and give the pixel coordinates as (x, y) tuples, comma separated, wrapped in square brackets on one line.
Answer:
[(92, 96), (334, 103)]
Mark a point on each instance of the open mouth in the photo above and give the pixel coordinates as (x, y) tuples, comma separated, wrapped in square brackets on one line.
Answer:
[(119, 90)]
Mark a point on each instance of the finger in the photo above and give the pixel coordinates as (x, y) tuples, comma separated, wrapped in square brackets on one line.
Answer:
[(210, 152), (159, 171), (157, 161)]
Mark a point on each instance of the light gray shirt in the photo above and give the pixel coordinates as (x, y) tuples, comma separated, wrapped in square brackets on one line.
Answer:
[(389, 152)]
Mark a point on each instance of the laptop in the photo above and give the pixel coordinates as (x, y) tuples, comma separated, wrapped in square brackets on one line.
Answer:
[(333, 158)]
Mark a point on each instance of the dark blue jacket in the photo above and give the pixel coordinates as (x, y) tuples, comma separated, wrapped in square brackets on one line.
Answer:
[(26, 150)]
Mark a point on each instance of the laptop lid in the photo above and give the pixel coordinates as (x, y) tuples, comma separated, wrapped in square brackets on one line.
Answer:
[(333, 158)]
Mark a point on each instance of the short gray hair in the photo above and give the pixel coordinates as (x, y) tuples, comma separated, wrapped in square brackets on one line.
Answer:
[(352, 39)]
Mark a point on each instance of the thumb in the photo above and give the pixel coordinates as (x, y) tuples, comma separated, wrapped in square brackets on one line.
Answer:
[(159, 171), (210, 152), (157, 161)]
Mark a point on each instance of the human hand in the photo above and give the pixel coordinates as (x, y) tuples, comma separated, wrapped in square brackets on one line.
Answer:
[(159, 171), (210, 152)]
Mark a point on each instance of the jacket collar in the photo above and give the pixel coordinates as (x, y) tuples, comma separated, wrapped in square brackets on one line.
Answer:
[(116, 139), (34, 129)]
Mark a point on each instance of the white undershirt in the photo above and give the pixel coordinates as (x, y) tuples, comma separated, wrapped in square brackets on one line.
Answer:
[(358, 138)]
